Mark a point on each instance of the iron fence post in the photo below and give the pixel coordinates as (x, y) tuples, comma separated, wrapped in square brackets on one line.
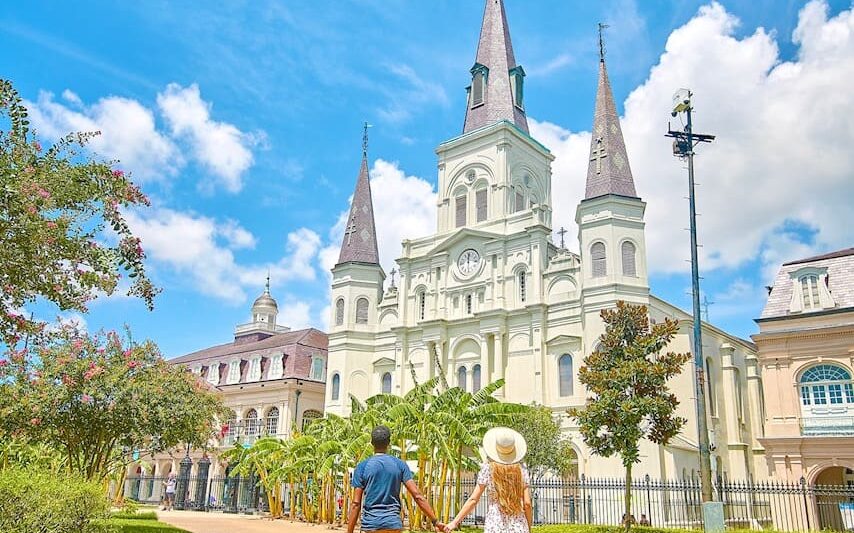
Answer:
[(201, 503), (648, 501), (183, 485), (806, 502)]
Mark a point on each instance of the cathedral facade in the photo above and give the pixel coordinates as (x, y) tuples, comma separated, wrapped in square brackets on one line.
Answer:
[(489, 295)]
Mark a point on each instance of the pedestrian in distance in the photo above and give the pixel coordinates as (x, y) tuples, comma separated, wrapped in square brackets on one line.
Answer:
[(170, 485), (507, 483), (377, 482)]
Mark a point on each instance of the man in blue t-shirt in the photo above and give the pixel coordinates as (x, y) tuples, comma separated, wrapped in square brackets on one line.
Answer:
[(377, 481)]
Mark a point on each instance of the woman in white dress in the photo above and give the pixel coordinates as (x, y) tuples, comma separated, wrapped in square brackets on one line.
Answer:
[(506, 480)]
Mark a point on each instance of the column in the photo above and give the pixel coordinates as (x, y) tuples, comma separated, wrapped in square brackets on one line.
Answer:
[(498, 350), (485, 371), (201, 499)]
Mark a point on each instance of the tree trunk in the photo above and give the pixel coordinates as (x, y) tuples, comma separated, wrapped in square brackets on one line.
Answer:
[(627, 517)]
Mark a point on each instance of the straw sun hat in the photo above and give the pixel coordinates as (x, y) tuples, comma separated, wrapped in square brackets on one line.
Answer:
[(505, 446)]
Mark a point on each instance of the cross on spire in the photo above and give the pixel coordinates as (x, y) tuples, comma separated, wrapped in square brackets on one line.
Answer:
[(562, 232), (267, 287), (365, 140), (351, 229), (598, 154), (393, 273), (602, 27)]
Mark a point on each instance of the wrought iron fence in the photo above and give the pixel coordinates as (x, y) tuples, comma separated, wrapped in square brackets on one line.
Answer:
[(782, 506), (747, 504)]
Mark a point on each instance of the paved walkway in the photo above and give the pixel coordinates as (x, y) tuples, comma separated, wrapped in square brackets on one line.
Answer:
[(199, 522)]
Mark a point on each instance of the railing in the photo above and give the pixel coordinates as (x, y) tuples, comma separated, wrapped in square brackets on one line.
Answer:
[(783, 506), (827, 426)]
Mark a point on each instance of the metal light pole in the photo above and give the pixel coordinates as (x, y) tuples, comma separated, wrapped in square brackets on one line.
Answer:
[(683, 148)]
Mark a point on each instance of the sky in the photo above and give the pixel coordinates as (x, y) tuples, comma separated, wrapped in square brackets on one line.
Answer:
[(243, 122)]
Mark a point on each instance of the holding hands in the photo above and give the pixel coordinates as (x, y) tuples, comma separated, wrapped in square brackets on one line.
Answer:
[(447, 528)]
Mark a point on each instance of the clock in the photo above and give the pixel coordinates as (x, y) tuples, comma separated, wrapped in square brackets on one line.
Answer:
[(468, 262)]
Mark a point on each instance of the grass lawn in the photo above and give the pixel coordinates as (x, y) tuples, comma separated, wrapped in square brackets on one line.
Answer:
[(143, 522)]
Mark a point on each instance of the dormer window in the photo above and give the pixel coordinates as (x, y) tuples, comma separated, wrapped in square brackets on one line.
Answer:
[(254, 369), (233, 372), (478, 84), (213, 374), (809, 292), (517, 76), (276, 367)]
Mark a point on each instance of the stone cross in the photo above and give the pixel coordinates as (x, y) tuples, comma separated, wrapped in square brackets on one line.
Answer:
[(393, 272), (598, 154), (562, 232), (351, 229)]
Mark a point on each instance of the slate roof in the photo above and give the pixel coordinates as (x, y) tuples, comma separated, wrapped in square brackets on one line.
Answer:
[(840, 282), (275, 343), (495, 52), (360, 234), (608, 171)]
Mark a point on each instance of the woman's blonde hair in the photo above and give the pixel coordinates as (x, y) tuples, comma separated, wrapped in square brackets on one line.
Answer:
[(509, 487)]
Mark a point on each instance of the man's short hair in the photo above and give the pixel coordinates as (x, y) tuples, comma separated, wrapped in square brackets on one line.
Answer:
[(380, 436)]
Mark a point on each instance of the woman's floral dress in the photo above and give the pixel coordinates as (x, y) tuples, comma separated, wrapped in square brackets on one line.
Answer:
[(496, 521)]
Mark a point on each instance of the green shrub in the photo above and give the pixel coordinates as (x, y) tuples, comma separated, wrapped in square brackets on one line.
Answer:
[(36, 500), (125, 515), (122, 525)]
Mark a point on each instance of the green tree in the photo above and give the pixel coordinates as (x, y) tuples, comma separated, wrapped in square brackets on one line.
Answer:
[(549, 449), (63, 237), (627, 378), (98, 398)]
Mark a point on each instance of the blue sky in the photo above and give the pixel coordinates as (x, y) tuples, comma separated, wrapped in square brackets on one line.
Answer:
[(243, 124)]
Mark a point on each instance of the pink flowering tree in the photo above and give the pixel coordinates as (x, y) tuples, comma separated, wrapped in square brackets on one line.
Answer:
[(98, 399), (63, 237)]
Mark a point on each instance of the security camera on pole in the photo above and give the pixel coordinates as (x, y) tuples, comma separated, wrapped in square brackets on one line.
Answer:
[(683, 148)]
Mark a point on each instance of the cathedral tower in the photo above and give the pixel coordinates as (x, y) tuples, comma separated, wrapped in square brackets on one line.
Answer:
[(610, 217)]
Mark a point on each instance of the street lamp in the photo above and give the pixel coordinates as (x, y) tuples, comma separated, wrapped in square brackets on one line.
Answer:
[(683, 148)]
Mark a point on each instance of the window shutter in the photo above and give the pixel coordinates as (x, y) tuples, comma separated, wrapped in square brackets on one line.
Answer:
[(461, 211), (522, 288), (628, 253), (362, 311), (339, 312), (597, 253), (520, 201), (480, 202), (477, 89)]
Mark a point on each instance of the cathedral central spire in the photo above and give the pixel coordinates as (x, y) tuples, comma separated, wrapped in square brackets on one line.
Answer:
[(496, 91), (608, 171), (360, 234)]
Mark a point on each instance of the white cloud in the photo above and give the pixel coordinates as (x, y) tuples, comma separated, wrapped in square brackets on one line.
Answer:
[(71, 320), (553, 65), (294, 313), (219, 146), (201, 249), (128, 131), (782, 153)]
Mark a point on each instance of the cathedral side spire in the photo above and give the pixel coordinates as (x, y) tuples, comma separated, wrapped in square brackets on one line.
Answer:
[(360, 235), (496, 92), (608, 171)]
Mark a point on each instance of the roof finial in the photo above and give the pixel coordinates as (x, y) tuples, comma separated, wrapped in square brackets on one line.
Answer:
[(602, 27), (365, 140), (267, 287)]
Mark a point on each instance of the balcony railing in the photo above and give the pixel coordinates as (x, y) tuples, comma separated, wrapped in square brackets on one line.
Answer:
[(827, 426)]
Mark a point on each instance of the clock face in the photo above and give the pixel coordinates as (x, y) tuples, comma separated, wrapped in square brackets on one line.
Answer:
[(468, 262)]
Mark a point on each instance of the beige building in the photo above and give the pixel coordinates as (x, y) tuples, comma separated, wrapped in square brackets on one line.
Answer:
[(806, 355), (273, 379), (489, 295)]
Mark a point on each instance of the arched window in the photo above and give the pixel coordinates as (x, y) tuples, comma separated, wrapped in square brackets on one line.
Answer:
[(336, 386), (460, 206), (477, 84), (826, 385), (310, 416), (809, 292), (386, 383), (597, 256), (627, 249), (565, 374), (475, 378), (362, 311), (339, 312), (462, 377), (710, 389), (519, 199), (480, 202), (422, 304), (251, 423), (272, 425), (523, 292), (316, 368)]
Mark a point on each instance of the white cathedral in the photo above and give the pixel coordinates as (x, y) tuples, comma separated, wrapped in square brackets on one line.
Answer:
[(489, 295)]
